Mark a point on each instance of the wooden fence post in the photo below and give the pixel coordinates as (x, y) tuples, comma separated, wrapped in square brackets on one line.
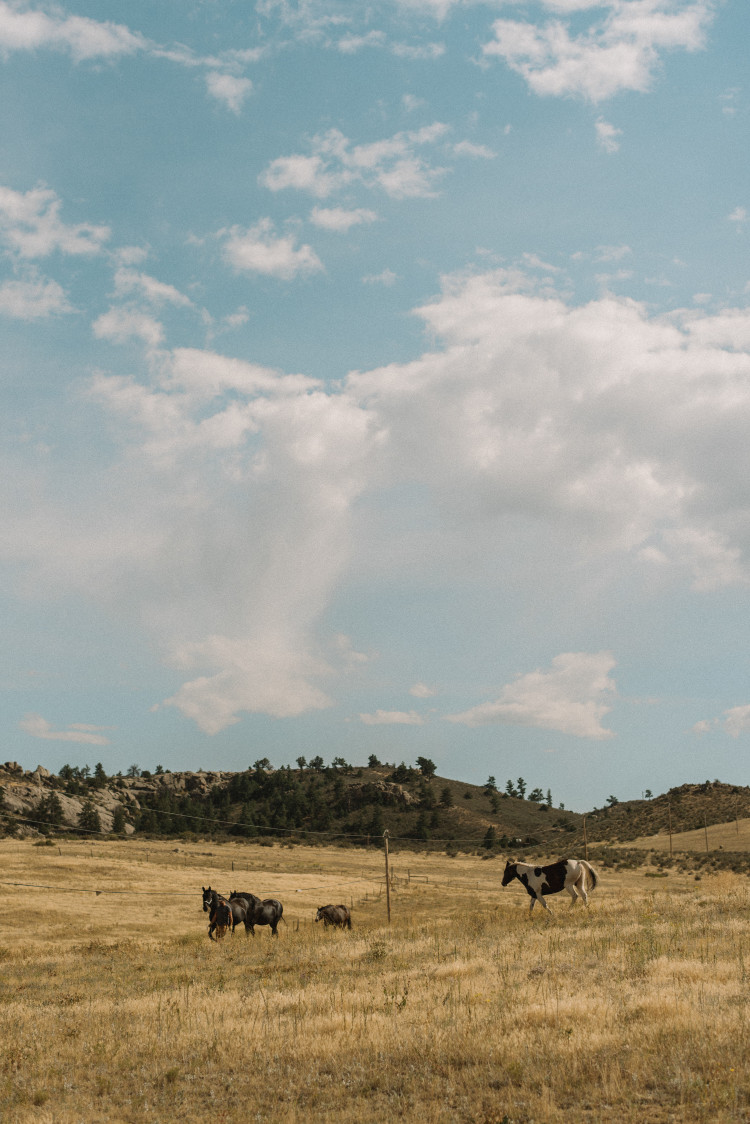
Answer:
[(387, 878), (585, 840), (669, 810), (705, 831)]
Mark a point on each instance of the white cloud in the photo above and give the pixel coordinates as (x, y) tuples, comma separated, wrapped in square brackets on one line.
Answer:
[(123, 324), (79, 732), (468, 148), (600, 429), (28, 29), (606, 135), (392, 718), (349, 44), (738, 216), (30, 225), (32, 299), (228, 88), (392, 164), (737, 720), (260, 250), (339, 219), (387, 277), (620, 49), (422, 691), (572, 697), (129, 281), (418, 51)]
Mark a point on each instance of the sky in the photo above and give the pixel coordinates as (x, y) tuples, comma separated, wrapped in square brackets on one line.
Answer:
[(376, 380)]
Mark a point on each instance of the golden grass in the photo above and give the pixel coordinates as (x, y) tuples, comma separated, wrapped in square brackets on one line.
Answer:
[(732, 836), (118, 1009)]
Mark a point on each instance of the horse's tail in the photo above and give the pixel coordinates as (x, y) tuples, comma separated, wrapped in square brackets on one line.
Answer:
[(588, 869)]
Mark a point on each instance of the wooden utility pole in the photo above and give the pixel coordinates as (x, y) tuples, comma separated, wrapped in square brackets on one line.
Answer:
[(585, 840), (705, 831), (669, 811), (387, 877)]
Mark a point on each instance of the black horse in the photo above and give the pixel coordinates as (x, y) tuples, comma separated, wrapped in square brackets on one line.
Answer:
[(212, 899), (257, 912)]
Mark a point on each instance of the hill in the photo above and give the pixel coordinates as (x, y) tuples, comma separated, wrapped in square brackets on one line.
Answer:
[(352, 804), (689, 806)]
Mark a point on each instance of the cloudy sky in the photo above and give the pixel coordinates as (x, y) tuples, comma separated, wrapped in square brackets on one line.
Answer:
[(376, 379)]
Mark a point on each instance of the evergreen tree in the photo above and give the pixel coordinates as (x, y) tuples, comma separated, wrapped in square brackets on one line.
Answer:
[(426, 767), (490, 838), (118, 820), (446, 797), (521, 783), (88, 817)]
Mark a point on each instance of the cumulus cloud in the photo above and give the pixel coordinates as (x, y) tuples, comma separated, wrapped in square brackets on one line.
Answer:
[(39, 727), (30, 225), (386, 277), (29, 29), (230, 89), (606, 135), (130, 281), (261, 250), (468, 148), (339, 219), (393, 164), (392, 718), (572, 696), (734, 722), (421, 691), (34, 298), (619, 50), (123, 324), (241, 489)]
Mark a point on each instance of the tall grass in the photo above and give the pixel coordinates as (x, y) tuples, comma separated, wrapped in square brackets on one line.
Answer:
[(118, 1009)]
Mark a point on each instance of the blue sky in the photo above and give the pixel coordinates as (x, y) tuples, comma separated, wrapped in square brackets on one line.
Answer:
[(376, 379)]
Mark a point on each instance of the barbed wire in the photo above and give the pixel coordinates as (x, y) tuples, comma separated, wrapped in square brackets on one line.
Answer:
[(288, 833)]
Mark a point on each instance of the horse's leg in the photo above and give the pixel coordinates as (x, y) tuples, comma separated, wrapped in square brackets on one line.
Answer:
[(581, 887)]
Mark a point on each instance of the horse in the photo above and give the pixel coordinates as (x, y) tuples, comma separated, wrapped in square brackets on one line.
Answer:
[(257, 912), (236, 909), (334, 915), (568, 874)]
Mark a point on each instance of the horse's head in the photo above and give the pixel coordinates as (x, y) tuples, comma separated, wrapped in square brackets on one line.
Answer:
[(208, 896), (510, 872)]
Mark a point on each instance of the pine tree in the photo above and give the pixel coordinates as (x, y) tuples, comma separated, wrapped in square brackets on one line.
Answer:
[(88, 817)]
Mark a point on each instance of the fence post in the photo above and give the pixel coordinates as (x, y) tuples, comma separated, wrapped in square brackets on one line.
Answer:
[(387, 878), (705, 831), (669, 810), (585, 840)]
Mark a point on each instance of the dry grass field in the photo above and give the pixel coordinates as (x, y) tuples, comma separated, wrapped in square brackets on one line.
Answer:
[(734, 836), (116, 1008)]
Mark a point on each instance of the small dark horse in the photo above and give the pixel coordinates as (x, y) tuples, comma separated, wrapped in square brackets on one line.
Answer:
[(257, 912), (211, 901)]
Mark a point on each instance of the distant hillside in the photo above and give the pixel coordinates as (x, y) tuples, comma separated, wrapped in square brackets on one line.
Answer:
[(352, 804), (689, 804), (314, 802)]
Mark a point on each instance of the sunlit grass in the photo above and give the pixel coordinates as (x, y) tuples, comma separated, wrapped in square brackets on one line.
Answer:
[(118, 1008)]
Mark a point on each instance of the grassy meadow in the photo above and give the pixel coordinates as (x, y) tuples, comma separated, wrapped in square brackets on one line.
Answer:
[(117, 1008)]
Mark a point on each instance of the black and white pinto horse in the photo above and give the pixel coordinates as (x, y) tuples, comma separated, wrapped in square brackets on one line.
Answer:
[(568, 874)]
